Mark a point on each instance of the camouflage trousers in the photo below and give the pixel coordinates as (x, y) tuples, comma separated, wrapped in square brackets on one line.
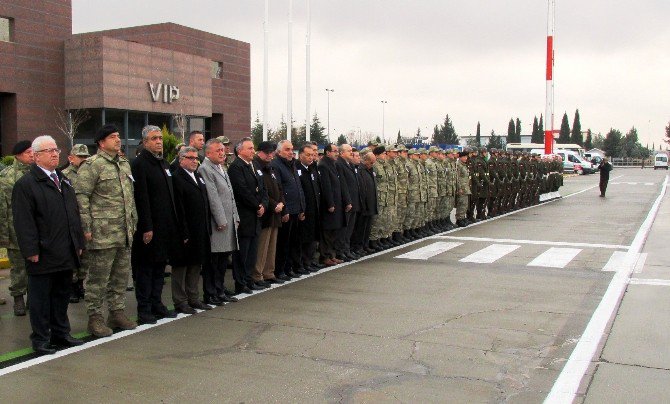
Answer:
[(379, 223), (18, 278), (443, 207), (391, 221), (401, 213), (108, 271), (431, 208), (462, 203), (420, 215), (409, 218), (451, 203)]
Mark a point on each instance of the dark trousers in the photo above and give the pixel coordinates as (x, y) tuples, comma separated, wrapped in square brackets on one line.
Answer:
[(49, 297), (213, 274), (185, 284), (307, 251), (149, 286), (244, 261), (288, 233), (357, 240), (344, 237), (603, 185), (328, 243)]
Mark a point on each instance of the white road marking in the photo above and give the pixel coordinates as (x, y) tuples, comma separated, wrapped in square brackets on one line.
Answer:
[(618, 260), (639, 265), (536, 242), (555, 257), (566, 386), (490, 254), (648, 183), (430, 250), (651, 282)]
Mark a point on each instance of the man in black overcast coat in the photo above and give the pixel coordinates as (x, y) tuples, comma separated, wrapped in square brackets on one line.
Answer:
[(348, 173), (309, 230), (51, 239), (368, 192), (157, 239)]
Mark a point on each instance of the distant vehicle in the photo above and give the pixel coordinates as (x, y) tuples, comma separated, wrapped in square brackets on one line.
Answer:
[(573, 162), (539, 147), (661, 161)]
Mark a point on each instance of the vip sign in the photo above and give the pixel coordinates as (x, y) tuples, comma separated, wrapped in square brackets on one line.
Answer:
[(169, 92)]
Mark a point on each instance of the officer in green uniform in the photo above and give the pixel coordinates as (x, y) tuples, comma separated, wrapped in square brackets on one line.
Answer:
[(433, 195), (379, 222), (391, 197), (402, 199), (421, 156), (104, 189), (473, 159), (18, 279), (462, 189), (77, 156), (413, 195)]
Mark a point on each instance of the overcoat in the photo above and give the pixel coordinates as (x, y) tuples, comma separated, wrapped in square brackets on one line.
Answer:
[(222, 207)]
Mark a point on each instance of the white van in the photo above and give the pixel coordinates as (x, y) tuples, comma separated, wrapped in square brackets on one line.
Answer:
[(572, 162), (661, 161)]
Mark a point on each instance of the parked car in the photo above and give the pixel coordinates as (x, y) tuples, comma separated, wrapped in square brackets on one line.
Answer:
[(661, 161), (573, 162)]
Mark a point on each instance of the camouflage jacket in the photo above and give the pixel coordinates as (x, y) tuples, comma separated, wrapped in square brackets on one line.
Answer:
[(104, 188), (8, 178), (413, 181), (381, 178), (431, 175), (462, 179)]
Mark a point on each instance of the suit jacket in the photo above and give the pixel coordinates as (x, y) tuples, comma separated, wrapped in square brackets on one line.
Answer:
[(331, 196), (249, 193), (368, 191), (310, 228), (156, 211), (275, 194), (222, 207), (47, 222), (349, 178), (194, 217)]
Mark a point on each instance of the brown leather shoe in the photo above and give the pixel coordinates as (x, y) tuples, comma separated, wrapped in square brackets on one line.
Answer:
[(329, 262)]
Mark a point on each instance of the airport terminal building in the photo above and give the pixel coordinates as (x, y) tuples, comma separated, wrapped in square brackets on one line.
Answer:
[(130, 77)]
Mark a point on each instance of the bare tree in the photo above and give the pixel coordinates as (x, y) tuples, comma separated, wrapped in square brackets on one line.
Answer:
[(68, 122), (180, 120)]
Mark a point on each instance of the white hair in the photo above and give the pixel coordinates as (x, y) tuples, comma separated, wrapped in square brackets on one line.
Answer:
[(40, 140)]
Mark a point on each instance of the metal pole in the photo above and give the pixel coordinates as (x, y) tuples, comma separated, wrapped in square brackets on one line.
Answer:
[(265, 73), (549, 104), (328, 91), (308, 95), (384, 102), (289, 100)]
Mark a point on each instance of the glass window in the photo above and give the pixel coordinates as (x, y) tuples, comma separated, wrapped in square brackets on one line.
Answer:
[(195, 123), (6, 29), (216, 69), (88, 128), (159, 120), (135, 124)]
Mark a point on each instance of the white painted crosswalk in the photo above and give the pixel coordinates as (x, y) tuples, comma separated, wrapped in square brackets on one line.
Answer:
[(488, 252), (491, 253)]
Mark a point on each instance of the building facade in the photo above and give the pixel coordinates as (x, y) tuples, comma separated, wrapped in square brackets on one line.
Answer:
[(161, 74)]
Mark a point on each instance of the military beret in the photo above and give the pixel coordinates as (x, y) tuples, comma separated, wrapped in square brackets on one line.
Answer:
[(462, 153), (21, 146), (378, 150), (267, 146), (105, 131), (223, 139), (80, 150)]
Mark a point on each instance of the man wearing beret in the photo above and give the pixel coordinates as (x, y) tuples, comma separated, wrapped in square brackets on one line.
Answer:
[(78, 155), (462, 189), (104, 188), (18, 284)]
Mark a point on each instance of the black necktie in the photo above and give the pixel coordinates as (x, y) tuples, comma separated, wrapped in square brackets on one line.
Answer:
[(56, 180)]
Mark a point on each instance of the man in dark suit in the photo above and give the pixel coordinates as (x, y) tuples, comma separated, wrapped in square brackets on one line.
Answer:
[(368, 192), (157, 240), (348, 173), (51, 239), (252, 200), (309, 230), (190, 195), (335, 205)]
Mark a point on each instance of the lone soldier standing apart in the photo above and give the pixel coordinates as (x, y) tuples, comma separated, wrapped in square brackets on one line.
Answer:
[(462, 189), (78, 155), (104, 188), (18, 284)]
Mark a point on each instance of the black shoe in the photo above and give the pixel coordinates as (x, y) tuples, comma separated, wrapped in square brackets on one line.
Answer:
[(163, 312), (300, 271), (317, 265), (293, 275), (66, 341), (44, 349), (214, 301), (200, 305), (228, 292), (227, 299), (263, 283), (352, 255), (275, 280), (244, 290), (185, 308), (146, 318), (283, 278), (312, 269), (369, 250)]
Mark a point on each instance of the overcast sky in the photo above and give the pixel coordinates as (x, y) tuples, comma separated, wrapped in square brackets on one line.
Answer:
[(476, 60)]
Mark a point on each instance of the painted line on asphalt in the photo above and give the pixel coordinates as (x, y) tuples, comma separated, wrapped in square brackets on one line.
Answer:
[(567, 385), (428, 251), (555, 257), (122, 334), (617, 260), (650, 282), (536, 242), (490, 254)]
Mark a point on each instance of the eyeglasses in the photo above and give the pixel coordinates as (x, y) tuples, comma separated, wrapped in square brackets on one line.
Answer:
[(190, 158), (55, 150)]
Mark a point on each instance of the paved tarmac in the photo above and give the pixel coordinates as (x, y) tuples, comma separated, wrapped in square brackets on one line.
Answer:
[(489, 313)]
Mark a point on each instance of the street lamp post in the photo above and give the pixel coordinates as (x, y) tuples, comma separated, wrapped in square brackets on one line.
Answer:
[(328, 91), (384, 102)]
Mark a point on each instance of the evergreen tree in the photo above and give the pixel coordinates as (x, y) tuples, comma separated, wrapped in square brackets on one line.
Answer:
[(517, 131), (564, 134), (495, 142), (341, 140), (448, 133), (257, 132), (437, 136), (536, 136), (478, 136), (378, 140), (577, 131), (317, 133), (630, 145), (667, 135), (511, 131), (588, 143), (540, 129), (299, 136), (612, 143), (399, 138), (599, 141)]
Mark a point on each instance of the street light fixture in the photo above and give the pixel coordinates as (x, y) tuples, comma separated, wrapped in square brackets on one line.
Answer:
[(384, 102), (328, 91)]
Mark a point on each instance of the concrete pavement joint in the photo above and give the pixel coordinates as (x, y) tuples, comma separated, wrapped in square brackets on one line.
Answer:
[(635, 365)]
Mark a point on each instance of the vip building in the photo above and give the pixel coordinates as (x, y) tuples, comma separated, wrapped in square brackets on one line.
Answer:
[(130, 77)]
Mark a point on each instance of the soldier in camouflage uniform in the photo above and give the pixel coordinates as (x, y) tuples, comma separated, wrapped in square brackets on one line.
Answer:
[(433, 195), (18, 279), (230, 156), (492, 163), (379, 222), (473, 159), (452, 156), (442, 203), (413, 194), (391, 196), (104, 189), (421, 214), (78, 155), (462, 189), (402, 176), (484, 183)]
